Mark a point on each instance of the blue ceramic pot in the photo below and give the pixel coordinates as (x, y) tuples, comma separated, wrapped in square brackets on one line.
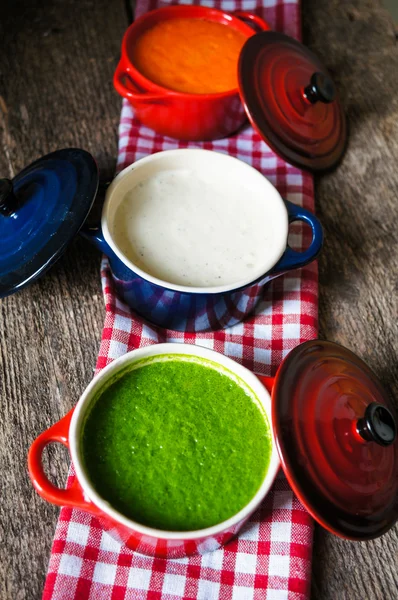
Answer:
[(184, 308)]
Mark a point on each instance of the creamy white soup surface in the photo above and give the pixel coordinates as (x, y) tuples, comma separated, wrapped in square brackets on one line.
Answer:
[(183, 229)]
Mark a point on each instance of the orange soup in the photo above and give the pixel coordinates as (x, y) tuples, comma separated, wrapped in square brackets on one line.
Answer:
[(190, 55)]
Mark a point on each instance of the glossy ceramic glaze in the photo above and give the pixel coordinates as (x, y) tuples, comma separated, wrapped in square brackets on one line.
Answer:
[(187, 308), (175, 114), (291, 101), (346, 478), (81, 494), (41, 210)]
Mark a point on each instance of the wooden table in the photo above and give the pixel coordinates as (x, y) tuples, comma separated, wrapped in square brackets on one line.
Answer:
[(56, 70)]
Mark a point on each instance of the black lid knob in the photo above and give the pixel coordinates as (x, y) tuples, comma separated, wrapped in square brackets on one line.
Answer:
[(377, 425), (321, 88), (8, 200)]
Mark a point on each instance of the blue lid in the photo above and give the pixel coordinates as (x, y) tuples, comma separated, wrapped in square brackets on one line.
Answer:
[(41, 210)]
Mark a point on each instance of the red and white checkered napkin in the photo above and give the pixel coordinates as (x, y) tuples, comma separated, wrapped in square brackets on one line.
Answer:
[(271, 558)]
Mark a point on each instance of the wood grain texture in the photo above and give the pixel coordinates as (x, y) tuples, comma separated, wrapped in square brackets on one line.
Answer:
[(56, 90), (357, 205)]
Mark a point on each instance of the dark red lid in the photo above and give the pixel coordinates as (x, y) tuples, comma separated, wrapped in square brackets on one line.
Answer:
[(291, 101), (336, 433)]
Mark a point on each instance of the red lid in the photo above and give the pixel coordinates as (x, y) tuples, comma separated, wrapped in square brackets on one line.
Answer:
[(291, 101), (336, 434)]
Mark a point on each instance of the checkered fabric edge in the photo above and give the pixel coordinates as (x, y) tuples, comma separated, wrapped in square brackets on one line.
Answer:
[(271, 557)]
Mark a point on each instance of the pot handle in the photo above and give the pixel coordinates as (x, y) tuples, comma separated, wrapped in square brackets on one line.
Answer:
[(72, 496), (268, 382), (95, 236), (132, 91), (253, 19), (291, 259)]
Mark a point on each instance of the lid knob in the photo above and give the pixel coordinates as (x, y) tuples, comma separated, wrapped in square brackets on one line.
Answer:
[(377, 425), (321, 88), (8, 200)]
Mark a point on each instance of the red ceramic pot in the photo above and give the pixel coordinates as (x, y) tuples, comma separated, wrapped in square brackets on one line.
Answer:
[(176, 114), (82, 495), (333, 427)]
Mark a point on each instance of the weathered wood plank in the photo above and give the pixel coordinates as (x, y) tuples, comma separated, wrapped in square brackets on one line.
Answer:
[(357, 205), (56, 91)]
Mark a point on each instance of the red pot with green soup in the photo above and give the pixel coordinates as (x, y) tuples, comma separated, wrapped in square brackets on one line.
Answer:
[(172, 449), (174, 446)]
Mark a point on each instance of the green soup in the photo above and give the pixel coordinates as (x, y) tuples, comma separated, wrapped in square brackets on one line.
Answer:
[(176, 443)]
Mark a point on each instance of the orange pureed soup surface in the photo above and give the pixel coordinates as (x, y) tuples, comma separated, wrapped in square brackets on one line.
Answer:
[(190, 55)]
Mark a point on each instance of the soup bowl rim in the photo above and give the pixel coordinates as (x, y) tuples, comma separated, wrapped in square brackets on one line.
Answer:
[(134, 30), (280, 244), (119, 365)]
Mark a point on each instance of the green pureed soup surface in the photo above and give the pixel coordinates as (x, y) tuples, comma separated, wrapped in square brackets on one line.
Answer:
[(176, 444)]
